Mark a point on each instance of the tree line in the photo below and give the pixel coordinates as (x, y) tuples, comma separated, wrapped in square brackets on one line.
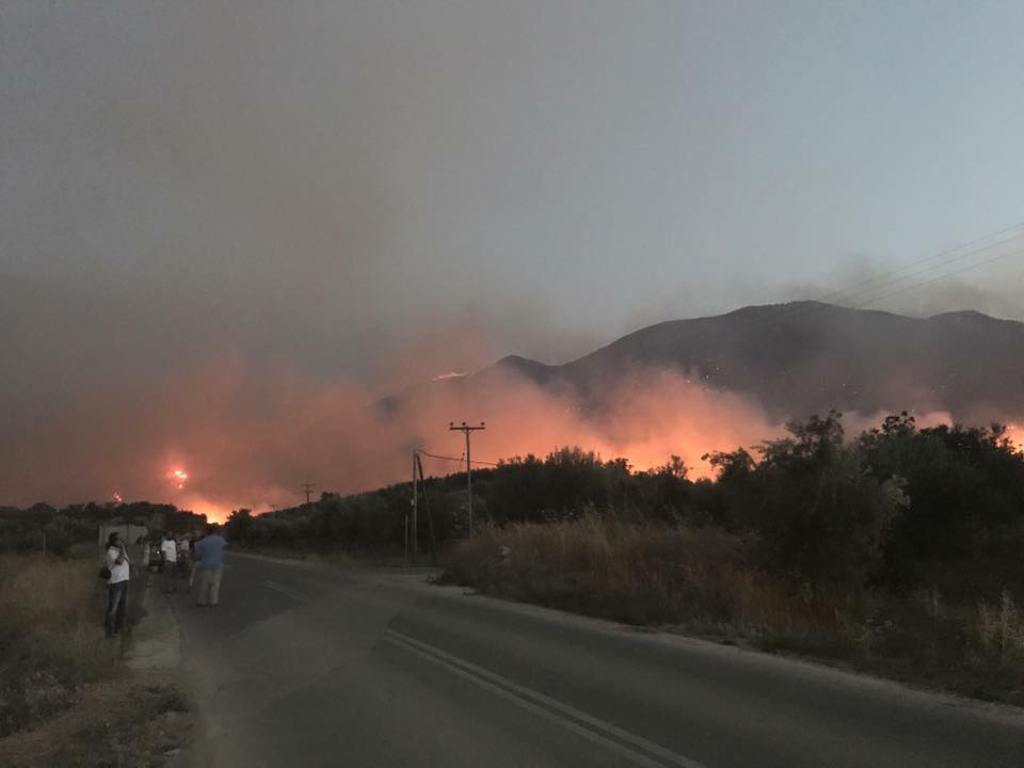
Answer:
[(897, 506), (43, 527)]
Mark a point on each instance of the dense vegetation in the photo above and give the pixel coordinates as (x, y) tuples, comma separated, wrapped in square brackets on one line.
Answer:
[(899, 550), (897, 507), (44, 528), (66, 696)]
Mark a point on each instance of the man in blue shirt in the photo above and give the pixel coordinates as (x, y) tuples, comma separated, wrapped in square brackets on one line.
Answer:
[(209, 555)]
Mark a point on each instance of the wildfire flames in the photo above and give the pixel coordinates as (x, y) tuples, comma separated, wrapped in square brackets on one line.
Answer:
[(334, 433), (177, 476), (1015, 434), (646, 419)]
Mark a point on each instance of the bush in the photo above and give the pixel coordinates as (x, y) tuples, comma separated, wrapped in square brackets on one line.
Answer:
[(1000, 633), (605, 566), (703, 580)]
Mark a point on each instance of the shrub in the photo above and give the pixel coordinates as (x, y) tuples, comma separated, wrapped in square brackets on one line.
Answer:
[(1000, 632), (606, 566)]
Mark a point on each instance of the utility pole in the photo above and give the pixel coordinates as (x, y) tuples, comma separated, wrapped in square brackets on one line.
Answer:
[(415, 505), (308, 488), (426, 506), (467, 430)]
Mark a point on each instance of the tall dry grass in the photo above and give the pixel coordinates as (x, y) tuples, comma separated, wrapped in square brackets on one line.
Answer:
[(610, 567), (1000, 631), (51, 636), (703, 581)]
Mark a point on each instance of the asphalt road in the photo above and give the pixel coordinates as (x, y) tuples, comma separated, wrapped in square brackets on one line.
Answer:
[(305, 665)]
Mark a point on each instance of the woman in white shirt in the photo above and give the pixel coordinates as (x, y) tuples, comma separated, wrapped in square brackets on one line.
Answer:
[(117, 583)]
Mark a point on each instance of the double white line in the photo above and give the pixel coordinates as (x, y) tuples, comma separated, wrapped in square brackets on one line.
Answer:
[(636, 749)]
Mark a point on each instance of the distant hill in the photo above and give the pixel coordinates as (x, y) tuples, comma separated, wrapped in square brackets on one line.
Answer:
[(806, 357)]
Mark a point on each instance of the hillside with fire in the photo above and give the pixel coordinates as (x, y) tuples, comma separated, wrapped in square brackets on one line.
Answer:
[(807, 357)]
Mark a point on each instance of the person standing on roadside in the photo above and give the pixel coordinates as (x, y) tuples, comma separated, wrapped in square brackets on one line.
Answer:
[(210, 562), (169, 562), (117, 583)]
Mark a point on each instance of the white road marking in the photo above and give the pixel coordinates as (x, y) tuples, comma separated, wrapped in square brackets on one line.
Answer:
[(637, 749), (287, 591)]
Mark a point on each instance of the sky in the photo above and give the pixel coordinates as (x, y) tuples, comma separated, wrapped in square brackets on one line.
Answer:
[(210, 210)]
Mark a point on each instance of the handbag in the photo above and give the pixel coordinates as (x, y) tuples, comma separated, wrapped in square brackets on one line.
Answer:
[(104, 572)]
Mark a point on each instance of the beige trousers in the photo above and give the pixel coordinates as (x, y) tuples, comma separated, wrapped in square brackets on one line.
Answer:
[(208, 589)]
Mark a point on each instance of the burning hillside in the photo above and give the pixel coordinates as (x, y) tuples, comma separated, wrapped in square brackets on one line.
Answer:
[(231, 434)]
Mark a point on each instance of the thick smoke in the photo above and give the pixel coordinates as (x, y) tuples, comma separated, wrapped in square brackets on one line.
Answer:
[(224, 235), (252, 435), (250, 431)]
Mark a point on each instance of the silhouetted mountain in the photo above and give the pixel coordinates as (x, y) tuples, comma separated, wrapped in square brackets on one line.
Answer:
[(804, 357)]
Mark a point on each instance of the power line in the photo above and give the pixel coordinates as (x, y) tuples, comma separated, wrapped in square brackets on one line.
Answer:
[(920, 268), (892, 278), (458, 460), (888, 280), (971, 247), (968, 268)]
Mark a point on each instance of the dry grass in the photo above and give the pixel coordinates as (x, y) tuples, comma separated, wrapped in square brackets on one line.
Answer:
[(700, 581), (635, 573), (51, 638), (65, 697), (1000, 632), (136, 721)]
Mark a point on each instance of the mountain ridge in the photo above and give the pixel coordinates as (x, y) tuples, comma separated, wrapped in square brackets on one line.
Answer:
[(802, 357)]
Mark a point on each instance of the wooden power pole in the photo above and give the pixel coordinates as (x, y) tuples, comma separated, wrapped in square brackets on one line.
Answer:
[(467, 431), (426, 504), (415, 505)]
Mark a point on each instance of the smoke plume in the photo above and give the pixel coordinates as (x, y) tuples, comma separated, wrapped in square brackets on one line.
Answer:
[(252, 435)]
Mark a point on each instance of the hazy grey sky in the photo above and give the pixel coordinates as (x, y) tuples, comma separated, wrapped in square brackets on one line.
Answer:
[(311, 175), (332, 186)]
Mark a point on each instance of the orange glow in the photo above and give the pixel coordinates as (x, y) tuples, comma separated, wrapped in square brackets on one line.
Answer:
[(178, 476), (650, 416), (215, 512), (1015, 434), (333, 432)]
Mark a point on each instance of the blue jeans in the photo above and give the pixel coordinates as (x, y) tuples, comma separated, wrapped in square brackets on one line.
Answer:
[(117, 598)]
